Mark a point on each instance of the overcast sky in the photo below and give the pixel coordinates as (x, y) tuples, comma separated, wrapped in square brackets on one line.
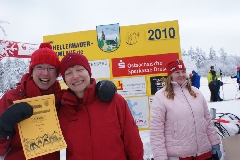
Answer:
[(202, 23)]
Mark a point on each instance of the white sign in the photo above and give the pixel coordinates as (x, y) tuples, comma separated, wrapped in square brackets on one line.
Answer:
[(139, 109), (100, 68), (135, 86)]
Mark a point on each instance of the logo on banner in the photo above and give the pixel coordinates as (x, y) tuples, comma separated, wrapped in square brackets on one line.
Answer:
[(118, 84), (141, 65), (121, 64), (108, 37), (132, 37)]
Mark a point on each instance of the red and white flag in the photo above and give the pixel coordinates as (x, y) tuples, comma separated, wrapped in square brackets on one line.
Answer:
[(16, 49)]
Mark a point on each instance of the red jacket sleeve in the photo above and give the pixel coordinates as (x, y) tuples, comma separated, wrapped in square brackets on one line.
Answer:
[(4, 145), (130, 133), (5, 102), (58, 97)]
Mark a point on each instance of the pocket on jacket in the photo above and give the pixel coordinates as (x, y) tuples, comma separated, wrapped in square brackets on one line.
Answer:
[(175, 130), (105, 122), (71, 125), (202, 125)]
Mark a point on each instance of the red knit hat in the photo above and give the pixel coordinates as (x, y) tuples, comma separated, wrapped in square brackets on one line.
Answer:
[(72, 59), (44, 54), (238, 67), (174, 66)]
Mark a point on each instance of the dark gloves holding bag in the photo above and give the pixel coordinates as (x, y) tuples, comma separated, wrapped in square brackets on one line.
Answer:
[(13, 115), (106, 90), (216, 152)]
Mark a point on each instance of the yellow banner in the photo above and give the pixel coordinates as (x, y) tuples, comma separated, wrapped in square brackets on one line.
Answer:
[(114, 41), (121, 53)]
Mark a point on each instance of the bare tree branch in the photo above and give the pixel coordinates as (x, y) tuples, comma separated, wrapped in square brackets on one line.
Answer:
[(1, 27)]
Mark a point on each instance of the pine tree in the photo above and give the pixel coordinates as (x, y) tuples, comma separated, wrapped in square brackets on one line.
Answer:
[(223, 54), (190, 52), (184, 53), (200, 57), (212, 55)]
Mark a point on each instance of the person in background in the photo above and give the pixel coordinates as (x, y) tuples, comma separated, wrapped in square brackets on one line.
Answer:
[(41, 80), (212, 76), (214, 87), (190, 76), (237, 76), (92, 128), (180, 122), (195, 79)]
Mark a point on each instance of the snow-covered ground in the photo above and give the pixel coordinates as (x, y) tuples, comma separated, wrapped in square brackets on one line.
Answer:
[(229, 91)]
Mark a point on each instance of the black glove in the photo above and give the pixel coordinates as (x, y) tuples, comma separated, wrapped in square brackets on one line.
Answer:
[(106, 90), (13, 115), (215, 157)]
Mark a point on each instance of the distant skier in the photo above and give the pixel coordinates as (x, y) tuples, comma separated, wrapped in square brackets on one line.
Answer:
[(190, 76), (214, 87), (195, 79), (237, 76), (211, 76)]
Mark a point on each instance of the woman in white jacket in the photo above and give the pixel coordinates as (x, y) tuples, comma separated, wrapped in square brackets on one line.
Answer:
[(180, 122)]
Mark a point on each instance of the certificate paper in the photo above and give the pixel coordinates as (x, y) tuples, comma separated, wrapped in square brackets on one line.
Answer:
[(41, 134)]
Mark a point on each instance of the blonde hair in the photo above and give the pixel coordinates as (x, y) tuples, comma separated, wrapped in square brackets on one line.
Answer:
[(169, 89)]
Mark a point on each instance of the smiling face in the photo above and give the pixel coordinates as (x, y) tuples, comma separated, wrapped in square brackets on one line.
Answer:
[(179, 76), (77, 79), (44, 76)]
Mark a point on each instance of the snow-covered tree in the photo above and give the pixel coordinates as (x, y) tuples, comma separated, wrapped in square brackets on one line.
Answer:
[(184, 53), (226, 63), (212, 55), (200, 57), (191, 52), (222, 53)]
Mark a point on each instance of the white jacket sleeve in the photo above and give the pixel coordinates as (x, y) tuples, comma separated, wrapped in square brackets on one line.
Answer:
[(157, 121)]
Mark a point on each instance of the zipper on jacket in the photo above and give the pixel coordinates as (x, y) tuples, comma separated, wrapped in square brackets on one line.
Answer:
[(192, 116)]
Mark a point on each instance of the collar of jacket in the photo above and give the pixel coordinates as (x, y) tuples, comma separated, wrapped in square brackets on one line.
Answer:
[(176, 85), (73, 103)]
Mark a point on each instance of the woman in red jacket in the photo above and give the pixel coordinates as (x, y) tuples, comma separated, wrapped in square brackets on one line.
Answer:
[(94, 129), (41, 80)]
